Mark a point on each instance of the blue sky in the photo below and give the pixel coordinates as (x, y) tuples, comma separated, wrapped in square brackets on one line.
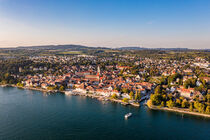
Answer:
[(111, 23)]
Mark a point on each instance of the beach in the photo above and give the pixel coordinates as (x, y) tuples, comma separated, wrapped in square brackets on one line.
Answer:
[(179, 110)]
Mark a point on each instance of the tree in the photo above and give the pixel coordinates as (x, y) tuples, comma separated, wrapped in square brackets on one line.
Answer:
[(131, 95), (163, 80), (55, 87), (186, 84), (200, 88), (158, 89), (196, 105), (208, 98), (191, 107), (149, 102), (162, 104), (114, 96), (190, 83), (50, 88), (125, 90), (178, 102), (138, 96), (155, 98), (117, 88), (208, 109), (170, 96), (181, 98), (6, 75), (121, 72), (61, 88), (201, 108), (20, 84), (173, 77), (164, 97), (184, 103), (170, 104), (125, 100)]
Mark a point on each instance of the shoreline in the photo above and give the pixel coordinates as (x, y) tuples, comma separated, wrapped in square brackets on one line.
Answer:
[(36, 89), (103, 98), (99, 97), (182, 111)]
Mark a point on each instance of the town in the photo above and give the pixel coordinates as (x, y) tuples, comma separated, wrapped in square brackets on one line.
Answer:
[(126, 79), (104, 69)]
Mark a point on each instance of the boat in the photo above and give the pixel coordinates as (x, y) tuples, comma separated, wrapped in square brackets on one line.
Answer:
[(128, 115)]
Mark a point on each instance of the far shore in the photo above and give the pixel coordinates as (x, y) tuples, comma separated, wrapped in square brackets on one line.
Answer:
[(183, 111)]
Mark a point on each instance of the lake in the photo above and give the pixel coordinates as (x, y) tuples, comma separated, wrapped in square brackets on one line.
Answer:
[(26, 114)]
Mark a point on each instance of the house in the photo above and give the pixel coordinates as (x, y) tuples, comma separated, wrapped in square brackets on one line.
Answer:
[(44, 85), (125, 95), (187, 93), (92, 77), (165, 73), (207, 79), (137, 77), (198, 94), (82, 73), (198, 83), (122, 67), (188, 72)]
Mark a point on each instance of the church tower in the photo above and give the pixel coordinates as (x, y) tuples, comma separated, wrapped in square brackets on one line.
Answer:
[(98, 71)]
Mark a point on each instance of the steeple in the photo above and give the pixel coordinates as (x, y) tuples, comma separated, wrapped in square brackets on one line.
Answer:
[(98, 71)]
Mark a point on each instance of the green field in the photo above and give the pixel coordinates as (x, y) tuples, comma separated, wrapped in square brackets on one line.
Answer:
[(71, 52)]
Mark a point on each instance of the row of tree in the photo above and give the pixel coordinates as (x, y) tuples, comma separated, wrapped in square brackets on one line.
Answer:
[(160, 98)]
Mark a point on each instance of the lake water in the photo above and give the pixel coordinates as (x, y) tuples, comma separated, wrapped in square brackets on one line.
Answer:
[(32, 115)]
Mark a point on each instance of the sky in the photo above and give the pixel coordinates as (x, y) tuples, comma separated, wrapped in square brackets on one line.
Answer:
[(106, 23)]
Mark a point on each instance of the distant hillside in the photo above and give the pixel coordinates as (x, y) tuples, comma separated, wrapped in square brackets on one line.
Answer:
[(172, 49), (62, 47), (141, 48), (72, 47), (131, 48), (55, 47)]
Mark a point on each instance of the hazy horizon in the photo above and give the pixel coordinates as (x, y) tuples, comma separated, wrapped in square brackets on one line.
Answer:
[(106, 23), (100, 46)]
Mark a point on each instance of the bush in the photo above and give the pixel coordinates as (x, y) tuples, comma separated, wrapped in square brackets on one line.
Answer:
[(208, 110), (162, 104), (156, 99), (170, 104), (191, 107), (125, 100), (114, 96), (61, 88), (20, 84), (185, 104)]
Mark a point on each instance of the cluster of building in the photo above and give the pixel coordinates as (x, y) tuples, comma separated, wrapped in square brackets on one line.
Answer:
[(111, 79), (93, 81)]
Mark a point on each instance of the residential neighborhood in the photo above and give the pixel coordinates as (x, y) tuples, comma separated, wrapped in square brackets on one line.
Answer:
[(129, 79)]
